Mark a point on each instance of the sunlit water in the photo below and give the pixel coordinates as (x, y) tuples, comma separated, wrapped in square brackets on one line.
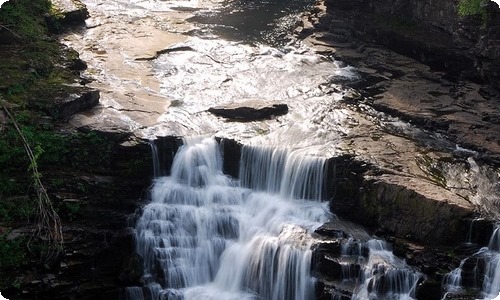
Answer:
[(207, 236)]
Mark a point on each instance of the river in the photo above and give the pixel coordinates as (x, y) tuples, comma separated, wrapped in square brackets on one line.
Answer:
[(160, 66)]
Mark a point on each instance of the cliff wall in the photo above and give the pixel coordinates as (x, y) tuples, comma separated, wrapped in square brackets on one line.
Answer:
[(467, 46)]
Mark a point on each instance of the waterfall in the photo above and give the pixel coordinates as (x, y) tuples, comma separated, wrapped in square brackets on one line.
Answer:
[(481, 271), (491, 283), (206, 236), (281, 171), (156, 159), (384, 276)]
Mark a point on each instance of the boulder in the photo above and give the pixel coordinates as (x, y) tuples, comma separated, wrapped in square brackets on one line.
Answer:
[(67, 12), (250, 110)]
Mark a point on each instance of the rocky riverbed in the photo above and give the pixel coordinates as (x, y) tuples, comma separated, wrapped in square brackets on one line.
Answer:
[(415, 149)]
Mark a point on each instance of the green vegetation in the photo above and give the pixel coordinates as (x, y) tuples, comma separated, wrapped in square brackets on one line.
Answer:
[(25, 18), (33, 62), (12, 252), (52, 148), (35, 68), (473, 8)]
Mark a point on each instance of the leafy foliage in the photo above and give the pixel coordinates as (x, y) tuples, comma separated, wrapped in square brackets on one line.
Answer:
[(25, 17), (472, 8)]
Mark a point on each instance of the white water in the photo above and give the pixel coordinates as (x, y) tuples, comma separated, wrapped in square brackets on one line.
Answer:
[(382, 274), (486, 271), (205, 237), (385, 276), (491, 283)]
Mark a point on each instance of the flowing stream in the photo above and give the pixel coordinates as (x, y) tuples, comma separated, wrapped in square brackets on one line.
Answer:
[(209, 236)]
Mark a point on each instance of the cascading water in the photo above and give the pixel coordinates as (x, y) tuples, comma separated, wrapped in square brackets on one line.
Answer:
[(205, 237), (385, 276), (370, 270), (481, 271), (491, 283)]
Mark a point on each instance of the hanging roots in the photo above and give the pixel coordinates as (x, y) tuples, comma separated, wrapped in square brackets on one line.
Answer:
[(48, 224)]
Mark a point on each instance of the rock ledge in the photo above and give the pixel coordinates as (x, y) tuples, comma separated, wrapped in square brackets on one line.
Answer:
[(250, 110)]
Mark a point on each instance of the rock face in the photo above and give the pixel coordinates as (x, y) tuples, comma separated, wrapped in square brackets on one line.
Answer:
[(407, 207), (429, 31), (417, 61), (97, 205), (250, 110)]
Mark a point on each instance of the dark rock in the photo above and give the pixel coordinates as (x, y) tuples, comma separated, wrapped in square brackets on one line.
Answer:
[(330, 232), (431, 32), (326, 290), (66, 101), (232, 154), (405, 207), (328, 267), (77, 65), (429, 290), (331, 247), (249, 110), (132, 270), (167, 147)]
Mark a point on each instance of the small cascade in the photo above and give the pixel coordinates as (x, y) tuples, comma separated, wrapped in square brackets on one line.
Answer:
[(385, 276), (352, 257), (156, 159), (203, 236), (362, 267), (283, 172), (452, 282), (480, 272), (491, 282)]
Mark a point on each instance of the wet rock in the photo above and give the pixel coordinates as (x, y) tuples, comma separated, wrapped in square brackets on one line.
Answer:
[(66, 13), (327, 266), (132, 270), (429, 290), (232, 154), (330, 231), (407, 207), (326, 290), (250, 110), (66, 101)]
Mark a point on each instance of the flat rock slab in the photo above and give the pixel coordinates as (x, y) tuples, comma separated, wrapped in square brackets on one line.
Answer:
[(251, 110), (65, 101)]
